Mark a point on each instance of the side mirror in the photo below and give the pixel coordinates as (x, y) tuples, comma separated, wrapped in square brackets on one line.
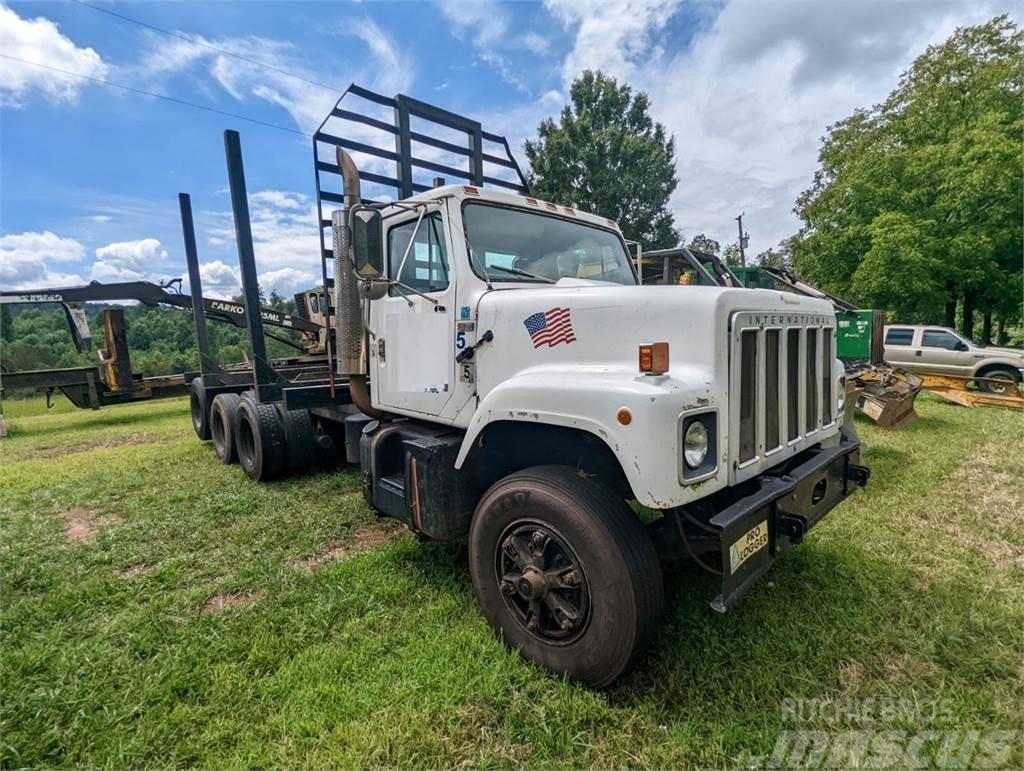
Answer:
[(368, 243), (962, 346)]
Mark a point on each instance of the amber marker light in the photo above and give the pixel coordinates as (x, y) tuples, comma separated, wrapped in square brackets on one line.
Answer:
[(624, 416), (654, 358)]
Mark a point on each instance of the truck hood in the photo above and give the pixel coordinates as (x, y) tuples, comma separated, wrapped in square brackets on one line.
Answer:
[(998, 350), (600, 326)]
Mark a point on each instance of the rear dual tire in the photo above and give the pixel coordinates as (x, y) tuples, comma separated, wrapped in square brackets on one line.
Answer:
[(260, 440), (223, 417), (199, 408), (566, 573)]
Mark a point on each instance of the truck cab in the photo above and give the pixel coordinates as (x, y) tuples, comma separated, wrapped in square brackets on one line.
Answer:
[(525, 387)]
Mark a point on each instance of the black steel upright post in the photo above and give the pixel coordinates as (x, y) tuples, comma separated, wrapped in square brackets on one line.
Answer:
[(206, 364), (263, 374)]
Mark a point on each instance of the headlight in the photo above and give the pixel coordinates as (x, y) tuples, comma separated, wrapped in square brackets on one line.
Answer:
[(695, 444)]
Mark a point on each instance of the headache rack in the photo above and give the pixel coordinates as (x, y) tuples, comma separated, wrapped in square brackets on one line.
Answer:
[(400, 146)]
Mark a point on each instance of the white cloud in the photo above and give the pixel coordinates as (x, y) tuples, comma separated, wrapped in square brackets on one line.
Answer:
[(751, 94), (535, 43), (614, 36), (386, 67), (484, 22), (101, 218), (40, 40), (284, 239), (220, 280), (25, 258), (129, 261)]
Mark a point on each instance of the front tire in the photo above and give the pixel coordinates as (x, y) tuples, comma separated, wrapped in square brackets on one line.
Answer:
[(566, 573)]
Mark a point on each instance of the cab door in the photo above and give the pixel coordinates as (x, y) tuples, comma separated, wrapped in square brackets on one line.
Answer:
[(411, 355), (899, 347), (945, 353)]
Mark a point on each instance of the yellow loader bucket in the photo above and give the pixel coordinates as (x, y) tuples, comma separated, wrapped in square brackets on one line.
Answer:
[(885, 394), (958, 389)]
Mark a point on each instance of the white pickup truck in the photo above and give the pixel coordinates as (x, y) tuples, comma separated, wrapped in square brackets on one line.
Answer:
[(525, 389)]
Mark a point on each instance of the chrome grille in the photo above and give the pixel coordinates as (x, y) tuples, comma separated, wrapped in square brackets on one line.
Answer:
[(781, 386)]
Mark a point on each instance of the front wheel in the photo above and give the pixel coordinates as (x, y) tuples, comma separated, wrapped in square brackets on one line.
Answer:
[(1003, 381), (566, 573)]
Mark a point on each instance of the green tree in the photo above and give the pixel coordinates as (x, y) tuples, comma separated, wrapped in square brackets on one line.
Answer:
[(607, 156), (6, 324), (917, 204), (731, 255), (701, 243)]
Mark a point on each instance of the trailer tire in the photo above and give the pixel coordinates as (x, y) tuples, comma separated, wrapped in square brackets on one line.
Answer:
[(566, 573), (223, 415), (300, 437), (199, 407), (259, 440)]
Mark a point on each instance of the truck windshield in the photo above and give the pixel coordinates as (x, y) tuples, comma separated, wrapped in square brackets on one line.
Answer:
[(530, 247)]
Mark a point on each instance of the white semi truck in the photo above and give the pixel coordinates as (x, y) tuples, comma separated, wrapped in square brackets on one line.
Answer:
[(502, 374)]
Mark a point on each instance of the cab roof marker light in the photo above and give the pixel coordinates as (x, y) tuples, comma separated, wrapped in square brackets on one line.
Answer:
[(532, 201), (552, 206), (570, 212), (470, 190)]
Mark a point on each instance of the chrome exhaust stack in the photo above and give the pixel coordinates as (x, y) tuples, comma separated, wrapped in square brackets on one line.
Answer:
[(348, 306)]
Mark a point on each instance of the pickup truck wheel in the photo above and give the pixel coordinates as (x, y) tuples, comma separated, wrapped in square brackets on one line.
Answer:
[(1007, 381), (222, 426), (199, 407), (565, 573)]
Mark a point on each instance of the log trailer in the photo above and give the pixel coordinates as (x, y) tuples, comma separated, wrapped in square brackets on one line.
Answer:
[(497, 372)]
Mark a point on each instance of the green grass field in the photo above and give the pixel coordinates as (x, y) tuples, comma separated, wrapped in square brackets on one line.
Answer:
[(158, 609)]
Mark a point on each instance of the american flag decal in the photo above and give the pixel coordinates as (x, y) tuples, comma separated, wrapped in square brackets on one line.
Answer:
[(550, 328)]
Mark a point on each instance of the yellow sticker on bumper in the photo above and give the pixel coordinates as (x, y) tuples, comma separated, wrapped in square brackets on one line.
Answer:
[(747, 546)]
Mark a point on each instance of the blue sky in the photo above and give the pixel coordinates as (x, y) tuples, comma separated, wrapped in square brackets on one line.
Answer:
[(89, 174)]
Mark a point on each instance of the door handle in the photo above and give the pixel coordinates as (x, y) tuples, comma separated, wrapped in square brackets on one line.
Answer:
[(917, 353)]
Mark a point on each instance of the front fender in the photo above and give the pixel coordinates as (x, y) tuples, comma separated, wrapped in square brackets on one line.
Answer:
[(589, 399)]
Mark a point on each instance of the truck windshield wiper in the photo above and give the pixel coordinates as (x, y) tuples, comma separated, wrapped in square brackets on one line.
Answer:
[(518, 272)]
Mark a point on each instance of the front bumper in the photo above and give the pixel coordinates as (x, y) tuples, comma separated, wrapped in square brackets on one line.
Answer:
[(754, 530)]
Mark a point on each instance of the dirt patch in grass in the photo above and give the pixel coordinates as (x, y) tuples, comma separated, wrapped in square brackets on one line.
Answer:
[(219, 602), (82, 524), (117, 441), (992, 489), (904, 666), (364, 539), (851, 675), (987, 488), (141, 569)]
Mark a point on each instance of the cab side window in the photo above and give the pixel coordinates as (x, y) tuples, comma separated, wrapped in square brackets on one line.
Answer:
[(934, 338), (426, 266), (899, 337)]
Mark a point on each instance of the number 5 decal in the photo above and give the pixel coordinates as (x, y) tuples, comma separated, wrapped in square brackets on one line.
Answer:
[(460, 340)]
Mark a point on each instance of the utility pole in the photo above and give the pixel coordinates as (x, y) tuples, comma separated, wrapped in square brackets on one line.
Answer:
[(744, 239)]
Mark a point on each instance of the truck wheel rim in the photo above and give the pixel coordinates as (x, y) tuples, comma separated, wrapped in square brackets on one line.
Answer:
[(1000, 387), (542, 582)]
